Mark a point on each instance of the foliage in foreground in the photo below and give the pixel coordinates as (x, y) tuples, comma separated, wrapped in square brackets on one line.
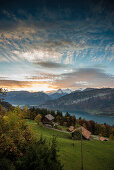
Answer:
[(14, 135), (39, 156), (19, 149)]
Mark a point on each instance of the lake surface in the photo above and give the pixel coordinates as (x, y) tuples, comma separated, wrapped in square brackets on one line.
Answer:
[(97, 118)]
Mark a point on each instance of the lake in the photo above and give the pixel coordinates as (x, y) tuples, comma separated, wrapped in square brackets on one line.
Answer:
[(97, 118)]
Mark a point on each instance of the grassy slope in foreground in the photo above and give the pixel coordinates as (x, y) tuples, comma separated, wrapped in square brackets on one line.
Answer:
[(97, 155)]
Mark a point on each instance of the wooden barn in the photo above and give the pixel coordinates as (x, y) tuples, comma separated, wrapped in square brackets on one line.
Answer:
[(103, 139), (48, 119), (71, 128), (85, 133)]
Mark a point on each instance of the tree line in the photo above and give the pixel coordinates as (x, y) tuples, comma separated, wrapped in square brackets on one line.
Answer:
[(70, 120)]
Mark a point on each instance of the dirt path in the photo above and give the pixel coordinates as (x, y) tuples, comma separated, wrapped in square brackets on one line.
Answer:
[(57, 130)]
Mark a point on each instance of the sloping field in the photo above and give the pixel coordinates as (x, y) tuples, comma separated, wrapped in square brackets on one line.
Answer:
[(97, 155)]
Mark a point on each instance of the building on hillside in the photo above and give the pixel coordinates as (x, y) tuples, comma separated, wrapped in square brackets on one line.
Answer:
[(103, 139), (48, 119), (71, 128), (55, 124), (85, 133)]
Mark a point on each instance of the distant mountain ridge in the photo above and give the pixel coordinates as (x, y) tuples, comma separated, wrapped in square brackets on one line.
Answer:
[(59, 93), (95, 101), (33, 98), (26, 98)]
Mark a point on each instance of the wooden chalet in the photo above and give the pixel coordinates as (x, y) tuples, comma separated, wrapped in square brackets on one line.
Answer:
[(71, 128), (85, 133), (48, 119)]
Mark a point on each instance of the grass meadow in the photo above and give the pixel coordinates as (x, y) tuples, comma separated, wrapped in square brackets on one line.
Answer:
[(97, 155)]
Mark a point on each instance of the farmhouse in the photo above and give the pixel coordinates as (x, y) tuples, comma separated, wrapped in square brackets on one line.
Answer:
[(85, 133), (71, 128), (48, 119)]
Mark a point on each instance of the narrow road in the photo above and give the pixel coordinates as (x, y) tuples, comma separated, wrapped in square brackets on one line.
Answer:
[(58, 130)]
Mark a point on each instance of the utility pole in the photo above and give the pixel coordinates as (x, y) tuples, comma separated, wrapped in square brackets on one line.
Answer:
[(81, 152)]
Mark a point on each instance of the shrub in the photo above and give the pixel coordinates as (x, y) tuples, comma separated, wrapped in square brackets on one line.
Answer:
[(38, 118), (14, 135), (39, 156), (111, 138), (6, 164), (77, 135)]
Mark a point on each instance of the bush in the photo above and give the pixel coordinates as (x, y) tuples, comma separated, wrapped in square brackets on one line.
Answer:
[(6, 164), (111, 138), (39, 156), (77, 135), (14, 135), (38, 118), (19, 149)]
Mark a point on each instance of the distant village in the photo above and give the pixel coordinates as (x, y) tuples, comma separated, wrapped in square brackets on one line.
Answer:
[(76, 132)]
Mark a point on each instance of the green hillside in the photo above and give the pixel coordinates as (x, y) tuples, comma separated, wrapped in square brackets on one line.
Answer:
[(97, 155)]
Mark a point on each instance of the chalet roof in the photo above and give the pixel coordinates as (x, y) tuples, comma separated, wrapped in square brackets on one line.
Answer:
[(49, 117), (71, 128), (103, 139), (85, 132)]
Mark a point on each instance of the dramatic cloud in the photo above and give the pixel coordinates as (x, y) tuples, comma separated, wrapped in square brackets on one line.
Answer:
[(50, 64), (85, 77), (60, 43)]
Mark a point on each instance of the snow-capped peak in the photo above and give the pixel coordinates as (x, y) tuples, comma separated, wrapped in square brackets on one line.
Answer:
[(68, 91), (59, 91)]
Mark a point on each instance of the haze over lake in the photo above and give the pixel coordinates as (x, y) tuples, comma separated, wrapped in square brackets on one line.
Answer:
[(97, 118)]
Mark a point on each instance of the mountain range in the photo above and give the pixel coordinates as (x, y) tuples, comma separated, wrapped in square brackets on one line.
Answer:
[(94, 101), (33, 98), (26, 98), (59, 93)]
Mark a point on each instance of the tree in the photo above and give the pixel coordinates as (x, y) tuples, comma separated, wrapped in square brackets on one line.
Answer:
[(39, 156), (26, 113), (77, 135), (58, 118), (2, 94), (33, 113), (14, 134), (111, 138), (19, 149), (73, 120), (6, 164), (0, 109), (38, 118), (91, 126), (97, 129), (59, 113), (67, 114)]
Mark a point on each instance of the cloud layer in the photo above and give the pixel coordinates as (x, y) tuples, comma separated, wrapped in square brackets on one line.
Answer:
[(62, 43)]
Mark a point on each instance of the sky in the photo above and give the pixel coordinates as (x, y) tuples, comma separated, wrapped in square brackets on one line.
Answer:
[(51, 44)]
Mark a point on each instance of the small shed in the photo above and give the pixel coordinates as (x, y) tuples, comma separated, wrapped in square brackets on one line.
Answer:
[(103, 139)]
